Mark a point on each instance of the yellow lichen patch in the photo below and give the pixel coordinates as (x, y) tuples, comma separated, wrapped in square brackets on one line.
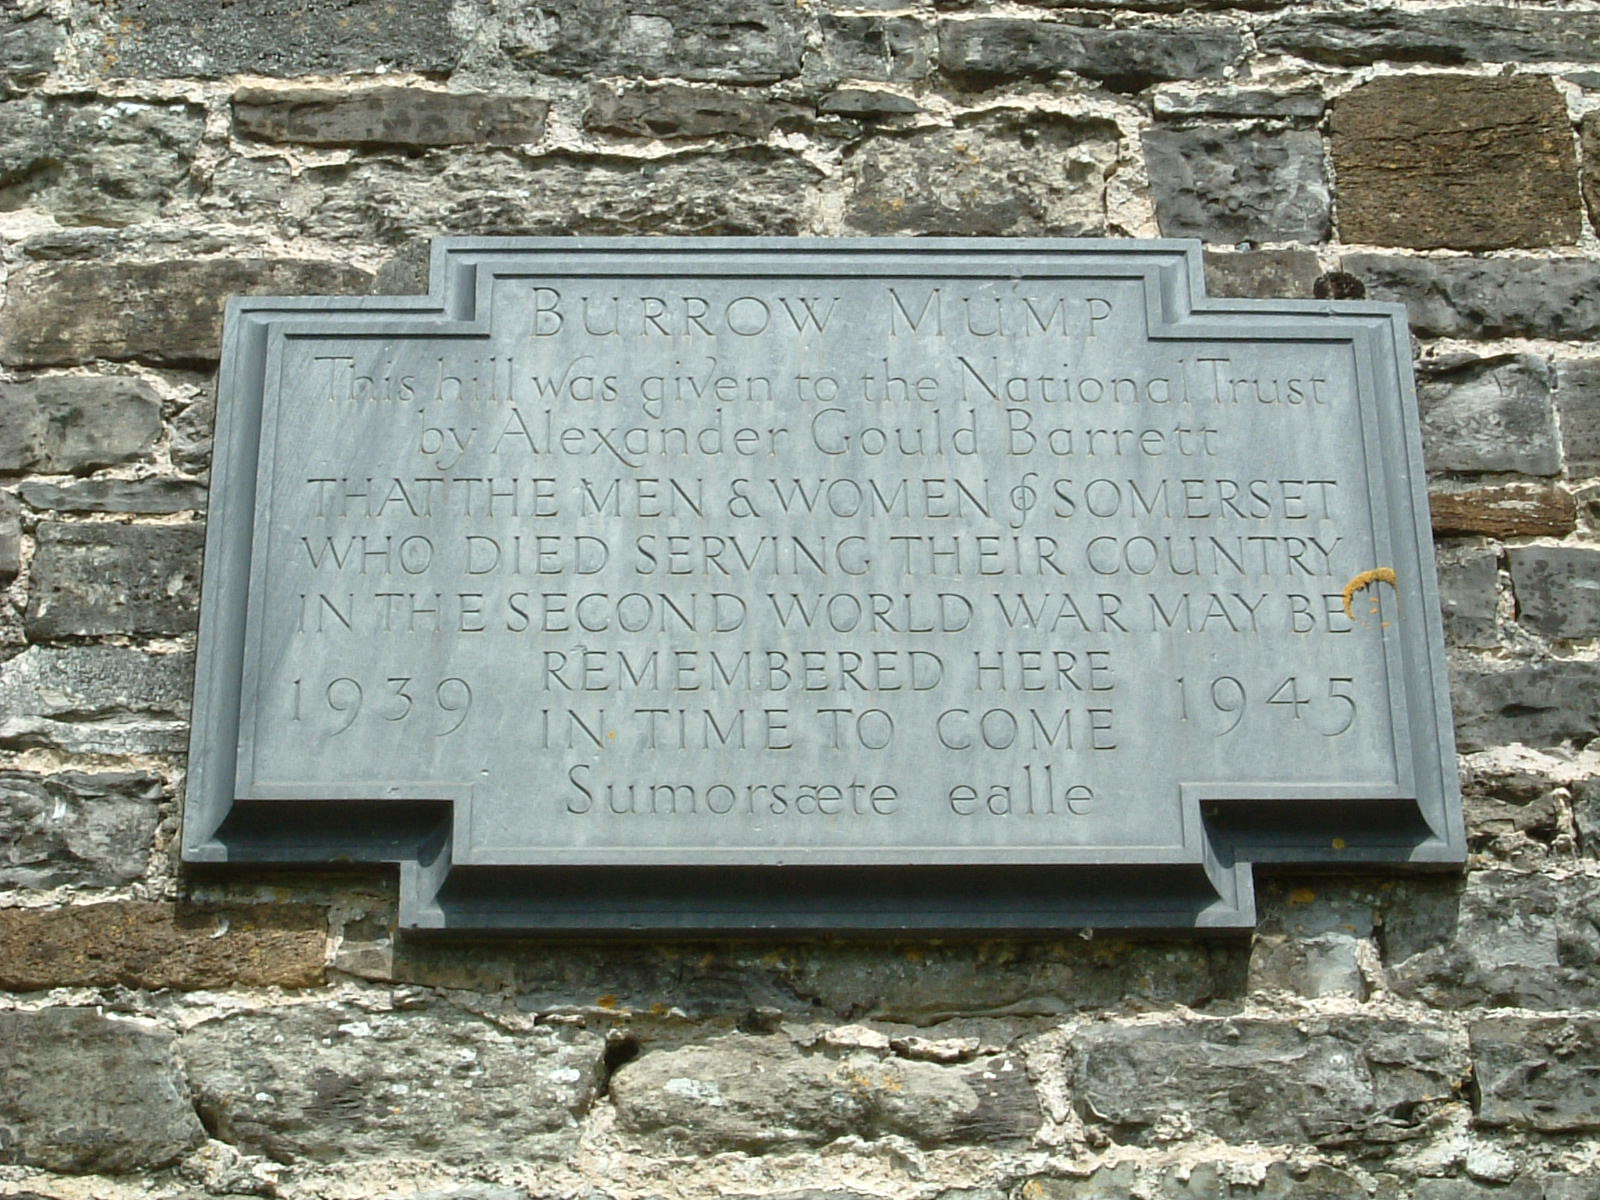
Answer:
[(1302, 896), (1339, 843), (606, 1001), (1365, 580)]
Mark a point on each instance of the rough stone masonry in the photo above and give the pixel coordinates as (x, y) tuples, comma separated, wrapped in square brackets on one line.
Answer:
[(163, 1035)]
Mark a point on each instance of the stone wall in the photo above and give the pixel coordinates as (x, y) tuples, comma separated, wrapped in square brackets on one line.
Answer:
[(267, 1035)]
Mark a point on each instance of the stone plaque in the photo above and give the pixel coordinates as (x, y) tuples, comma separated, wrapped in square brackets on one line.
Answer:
[(722, 585)]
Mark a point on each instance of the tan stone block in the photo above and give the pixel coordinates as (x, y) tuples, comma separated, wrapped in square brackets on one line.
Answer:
[(153, 945)]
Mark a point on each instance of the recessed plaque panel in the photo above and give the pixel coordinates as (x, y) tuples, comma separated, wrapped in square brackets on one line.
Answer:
[(737, 584)]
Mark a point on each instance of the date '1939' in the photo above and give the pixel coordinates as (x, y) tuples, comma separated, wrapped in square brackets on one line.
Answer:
[(344, 700)]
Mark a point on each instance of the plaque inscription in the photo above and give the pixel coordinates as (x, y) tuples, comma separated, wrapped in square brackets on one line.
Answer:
[(730, 584)]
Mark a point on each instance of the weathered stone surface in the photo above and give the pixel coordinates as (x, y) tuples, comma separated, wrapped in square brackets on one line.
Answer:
[(1467, 33), (116, 495), (867, 102), (1586, 814), (97, 163), (99, 243), (10, 537), (1530, 1186), (149, 945), (167, 311), (1261, 274), (993, 176), (102, 578), (1513, 815), (1515, 510), (745, 41), (1493, 414), (998, 48), (1203, 1181), (1468, 584), (387, 116), (1314, 938), (96, 700), (923, 985), (340, 1084), (85, 1093), (761, 1093), (1227, 184), (72, 423), (1557, 589), (675, 111), (754, 191), (1589, 142), (1495, 938), (1555, 298), (27, 50), (881, 49), (1305, 104), (1327, 964), (1578, 402), (1541, 704), (1329, 1081), (1539, 1073), (77, 828), (1462, 161), (154, 39)]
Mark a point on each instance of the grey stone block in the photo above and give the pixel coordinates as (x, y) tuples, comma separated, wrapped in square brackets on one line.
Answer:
[(76, 828), (101, 578), (1201, 1181), (1586, 814), (1528, 1187), (991, 176), (71, 424), (1556, 298), (1327, 964), (340, 1084), (1492, 414), (164, 311), (28, 47), (1541, 704), (1578, 402), (155, 39), (1467, 33), (1227, 184), (753, 191), (116, 496), (867, 102), (757, 1094), (10, 538), (676, 111), (881, 49), (1328, 1081), (1302, 104), (998, 48), (1261, 274), (88, 1094), (1538, 1073), (96, 700), (1558, 589), (1515, 816), (1496, 938), (95, 162), (745, 41), (387, 116), (1468, 584)]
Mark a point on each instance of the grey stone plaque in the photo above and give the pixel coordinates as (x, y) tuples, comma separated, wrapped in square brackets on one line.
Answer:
[(730, 585)]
